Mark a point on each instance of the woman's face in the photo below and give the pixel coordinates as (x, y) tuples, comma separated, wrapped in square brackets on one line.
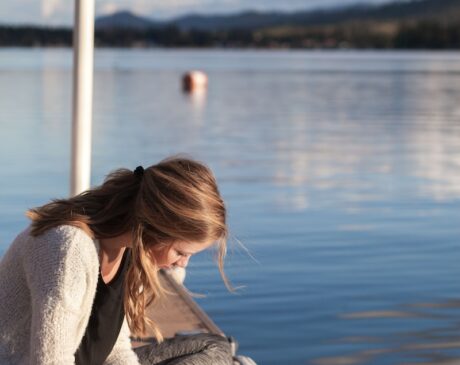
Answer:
[(178, 254)]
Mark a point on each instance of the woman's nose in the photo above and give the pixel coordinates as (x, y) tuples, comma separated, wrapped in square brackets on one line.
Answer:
[(183, 262)]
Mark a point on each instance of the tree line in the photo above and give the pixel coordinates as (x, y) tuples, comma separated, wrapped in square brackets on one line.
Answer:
[(416, 35)]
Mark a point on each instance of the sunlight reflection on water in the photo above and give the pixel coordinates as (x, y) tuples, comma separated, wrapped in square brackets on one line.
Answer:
[(340, 171)]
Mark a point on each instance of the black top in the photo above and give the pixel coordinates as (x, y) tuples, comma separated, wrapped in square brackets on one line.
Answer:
[(106, 318)]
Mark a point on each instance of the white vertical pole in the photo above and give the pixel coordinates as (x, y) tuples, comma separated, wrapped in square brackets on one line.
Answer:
[(83, 44)]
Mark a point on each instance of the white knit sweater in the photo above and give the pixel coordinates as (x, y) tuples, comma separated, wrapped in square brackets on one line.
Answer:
[(47, 287)]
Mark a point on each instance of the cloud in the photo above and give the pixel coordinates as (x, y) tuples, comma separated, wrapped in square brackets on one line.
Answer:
[(108, 8), (20, 11), (49, 7)]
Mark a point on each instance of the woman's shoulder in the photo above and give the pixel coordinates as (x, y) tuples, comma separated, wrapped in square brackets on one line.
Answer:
[(61, 240), (66, 232), (61, 234)]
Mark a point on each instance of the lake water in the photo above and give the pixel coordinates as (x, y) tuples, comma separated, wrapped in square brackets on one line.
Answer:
[(341, 173)]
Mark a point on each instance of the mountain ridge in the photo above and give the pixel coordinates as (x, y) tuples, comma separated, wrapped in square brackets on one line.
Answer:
[(254, 20), (416, 24)]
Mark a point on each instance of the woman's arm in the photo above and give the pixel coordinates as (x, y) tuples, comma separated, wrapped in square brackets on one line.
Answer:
[(62, 286), (122, 353)]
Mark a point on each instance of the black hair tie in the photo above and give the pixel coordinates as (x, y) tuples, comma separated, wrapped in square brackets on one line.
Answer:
[(139, 172)]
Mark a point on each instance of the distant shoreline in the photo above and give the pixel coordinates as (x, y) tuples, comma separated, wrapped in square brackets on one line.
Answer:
[(422, 35), (235, 49)]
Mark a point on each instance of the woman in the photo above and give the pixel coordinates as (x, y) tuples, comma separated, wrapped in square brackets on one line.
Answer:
[(77, 281)]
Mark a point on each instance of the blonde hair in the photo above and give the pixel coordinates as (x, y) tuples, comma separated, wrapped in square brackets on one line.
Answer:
[(174, 200)]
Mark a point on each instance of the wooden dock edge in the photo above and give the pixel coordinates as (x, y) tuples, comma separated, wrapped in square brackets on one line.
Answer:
[(194, 307), (177, 314)]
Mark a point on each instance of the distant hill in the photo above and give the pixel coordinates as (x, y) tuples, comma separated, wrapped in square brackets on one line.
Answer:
[(445, 10), (398, 10), (249, 20), (403, 24), (254, 20), (126, 20)]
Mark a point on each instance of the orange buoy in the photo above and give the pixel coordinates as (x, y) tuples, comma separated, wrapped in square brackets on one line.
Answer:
[(194, 80)]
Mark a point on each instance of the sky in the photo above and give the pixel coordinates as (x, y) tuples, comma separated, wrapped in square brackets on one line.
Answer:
[(60, 12)]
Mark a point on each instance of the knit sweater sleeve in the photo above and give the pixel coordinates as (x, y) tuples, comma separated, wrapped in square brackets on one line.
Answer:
[(122, 353), (60, 281)]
